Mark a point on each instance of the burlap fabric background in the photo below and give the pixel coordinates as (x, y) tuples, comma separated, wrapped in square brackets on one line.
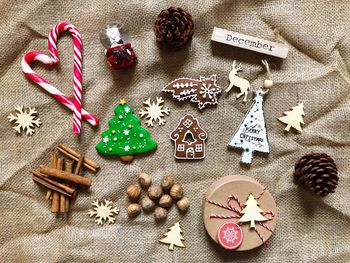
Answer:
[(310, 229)]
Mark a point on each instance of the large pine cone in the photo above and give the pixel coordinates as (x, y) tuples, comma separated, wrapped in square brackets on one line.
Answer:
[(317, 172), (173, 27)]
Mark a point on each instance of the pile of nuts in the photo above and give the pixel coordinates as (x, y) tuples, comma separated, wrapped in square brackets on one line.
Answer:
[(159, 198)]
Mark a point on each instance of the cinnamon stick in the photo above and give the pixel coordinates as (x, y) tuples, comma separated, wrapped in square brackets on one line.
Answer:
[(62, 203), (55, 205), (53, 161), (90, 164), (42, 181), (69, 168), (76, 172), (57, 173), (59, 187), (80, 163)]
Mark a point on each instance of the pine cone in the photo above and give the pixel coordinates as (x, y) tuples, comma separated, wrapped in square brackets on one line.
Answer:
[(317, 172), (173, 27)]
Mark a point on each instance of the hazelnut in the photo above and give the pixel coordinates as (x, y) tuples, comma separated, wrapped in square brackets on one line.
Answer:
[(166, 201), (160, 214), (176, 191), (167, 182), (133, 192), (155, 191), (183, 204), (134, 210), (147, 204), (145, 180)]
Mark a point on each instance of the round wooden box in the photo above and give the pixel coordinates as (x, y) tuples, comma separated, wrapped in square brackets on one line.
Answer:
[(241, 187)]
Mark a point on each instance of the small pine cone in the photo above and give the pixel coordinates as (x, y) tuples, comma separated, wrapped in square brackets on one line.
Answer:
[(317, 172), (173, 27)]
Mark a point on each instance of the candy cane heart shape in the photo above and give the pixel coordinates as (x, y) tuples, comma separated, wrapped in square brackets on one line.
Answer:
[(27, 60), (76, 104)]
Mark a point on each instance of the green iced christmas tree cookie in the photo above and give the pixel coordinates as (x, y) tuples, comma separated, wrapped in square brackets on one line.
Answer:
[(125, 136)]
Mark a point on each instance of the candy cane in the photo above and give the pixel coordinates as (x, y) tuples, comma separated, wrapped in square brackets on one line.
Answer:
[(52, 44), (27, 60), (76, 104)]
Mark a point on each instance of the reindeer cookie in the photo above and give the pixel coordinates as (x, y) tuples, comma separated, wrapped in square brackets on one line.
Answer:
[(202, 91), (236, 81)]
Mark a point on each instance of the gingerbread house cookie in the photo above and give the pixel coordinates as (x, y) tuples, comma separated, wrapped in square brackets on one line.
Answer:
[(189, 138)]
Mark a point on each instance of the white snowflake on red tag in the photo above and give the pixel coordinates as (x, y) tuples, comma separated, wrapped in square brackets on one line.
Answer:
[(154, 111), (25, 120), (230, 234), (103, 211)]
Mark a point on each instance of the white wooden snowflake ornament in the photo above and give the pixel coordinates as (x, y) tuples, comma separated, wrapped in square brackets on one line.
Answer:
[(25, 120), (154, 111), (103, 211)]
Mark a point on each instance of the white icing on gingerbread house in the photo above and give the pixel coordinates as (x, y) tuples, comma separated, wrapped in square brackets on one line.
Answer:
[(189, 138)]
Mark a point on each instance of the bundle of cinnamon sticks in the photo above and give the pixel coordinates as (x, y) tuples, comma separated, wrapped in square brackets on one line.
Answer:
[(60, 180)]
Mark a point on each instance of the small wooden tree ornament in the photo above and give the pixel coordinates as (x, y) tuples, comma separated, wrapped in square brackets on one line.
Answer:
[(252, 212), (173, 237), (294, 118)]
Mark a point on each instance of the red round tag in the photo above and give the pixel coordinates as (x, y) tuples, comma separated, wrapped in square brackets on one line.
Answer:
[(230, 235)]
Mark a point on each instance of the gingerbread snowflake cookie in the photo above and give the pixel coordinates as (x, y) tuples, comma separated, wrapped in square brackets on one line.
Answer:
[(25, 120), (202, 91), (189, 139)]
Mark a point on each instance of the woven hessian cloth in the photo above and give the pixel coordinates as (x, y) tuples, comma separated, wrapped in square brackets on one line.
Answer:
[(316, 72)]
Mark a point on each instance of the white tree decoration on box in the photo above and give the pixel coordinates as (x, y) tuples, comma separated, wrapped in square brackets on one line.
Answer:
[(252, 212)]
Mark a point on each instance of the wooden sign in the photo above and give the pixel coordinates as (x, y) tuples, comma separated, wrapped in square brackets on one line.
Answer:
[(248, 42)]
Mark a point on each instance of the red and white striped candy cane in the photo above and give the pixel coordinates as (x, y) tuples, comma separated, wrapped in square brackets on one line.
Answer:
[(52, 44), (74, 105), (27, 60)]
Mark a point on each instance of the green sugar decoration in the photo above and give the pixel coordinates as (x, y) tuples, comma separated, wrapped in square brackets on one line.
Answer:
[(125, 135)]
